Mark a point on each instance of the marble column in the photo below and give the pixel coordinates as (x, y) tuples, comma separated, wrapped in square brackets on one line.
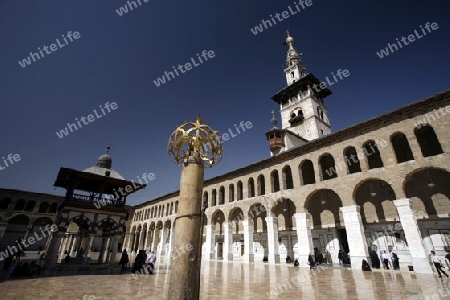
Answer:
[(130, 243), (355, 235), (136, 242), (154, 241), (305, 244), (228, 241), (210, 242), (108, 250), (102, 249), (88, 247), (52, 253), (148, 240), (420, 260), (162, 250), (248, 241), (171, 239), (113, 247), (142, 239), (272, 240)]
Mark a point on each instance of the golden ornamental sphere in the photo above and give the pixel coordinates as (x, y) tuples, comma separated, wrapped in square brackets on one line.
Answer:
[(195, 140)]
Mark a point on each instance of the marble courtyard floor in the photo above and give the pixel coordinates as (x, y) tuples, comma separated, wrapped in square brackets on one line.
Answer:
[(236, 280)]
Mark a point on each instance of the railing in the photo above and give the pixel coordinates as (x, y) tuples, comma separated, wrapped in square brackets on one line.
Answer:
[(100, 201)]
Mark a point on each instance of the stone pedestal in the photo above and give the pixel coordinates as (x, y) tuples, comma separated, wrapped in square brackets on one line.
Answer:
[(185, 267), (228, 241), (355, 235), (272, 239), (248, 241), (420, 260), (305, 244)]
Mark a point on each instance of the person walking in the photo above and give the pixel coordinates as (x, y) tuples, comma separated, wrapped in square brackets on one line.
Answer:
[(151, 261), (341, 257), (447, 259), (385, 258), (437, 263), (124, 260)]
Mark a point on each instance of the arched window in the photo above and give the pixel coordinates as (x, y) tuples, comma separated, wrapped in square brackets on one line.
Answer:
[(274, 181), (52, 208), (261, 185), (4, 204), (251, 188), (231, 193), (307, 175), (205, 199), (428, 141), (43, 208), (320, 112), (401, 147), (372, 155), (214, 197), (240, 193), (20, 205), (30, 205), (287, 178), (176, 206), (352, 160), (221, 195), (327, 166)]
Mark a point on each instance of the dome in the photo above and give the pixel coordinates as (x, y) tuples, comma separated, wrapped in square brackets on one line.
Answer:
[(104, 161), (289, 40)]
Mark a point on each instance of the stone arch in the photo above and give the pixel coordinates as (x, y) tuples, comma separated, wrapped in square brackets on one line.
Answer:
[(352, 160), (372, 154), (217, 220), (261, 185), (52, 209), (19, 220), (221, 195), (274, 181), (20, 204), (284, 209), (401, 147), (323, 205), (428, 140), (258, 213), (375, 196), (4, 204), (429, 190), (327, 167), (240, 191), (230, 192), (236, 216), (288, 183), (251, 187), (43, 207), (306, 172), (30, 206), (214, 197), (82, 221)]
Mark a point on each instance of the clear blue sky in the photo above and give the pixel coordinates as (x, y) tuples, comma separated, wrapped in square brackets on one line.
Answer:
[(118, 57)]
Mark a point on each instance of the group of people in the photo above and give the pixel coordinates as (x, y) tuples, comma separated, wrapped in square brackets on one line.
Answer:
[(14, 266), (141, 262), (438, 263), (389, 260)]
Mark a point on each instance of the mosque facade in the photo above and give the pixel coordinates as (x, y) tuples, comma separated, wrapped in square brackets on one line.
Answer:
[(379, 185)]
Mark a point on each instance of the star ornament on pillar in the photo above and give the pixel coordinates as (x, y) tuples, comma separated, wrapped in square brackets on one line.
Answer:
[(198, 141)]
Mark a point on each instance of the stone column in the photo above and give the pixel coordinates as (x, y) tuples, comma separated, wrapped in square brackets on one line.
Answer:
[(162, 250), (248, 241), (228, 241), (171, 239), (148, 240), (52, 252), (155, 240), (304, 237), (107, 250), (102, 249), (74, 247), (136, 241), (355, 235), (130, 245), (272, 240), (210, 242), (112, 258), (185, 271), (420, 260), (89, 246)]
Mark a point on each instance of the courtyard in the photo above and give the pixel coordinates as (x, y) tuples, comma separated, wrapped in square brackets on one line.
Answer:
[(237, 280)]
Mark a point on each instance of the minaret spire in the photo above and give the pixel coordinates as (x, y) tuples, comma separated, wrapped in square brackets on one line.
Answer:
[(294, 69)]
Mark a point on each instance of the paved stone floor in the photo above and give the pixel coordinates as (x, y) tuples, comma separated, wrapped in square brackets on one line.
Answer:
[(235, 280)]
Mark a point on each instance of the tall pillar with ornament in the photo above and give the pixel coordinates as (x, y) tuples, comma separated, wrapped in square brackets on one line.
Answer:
[(194, 146)]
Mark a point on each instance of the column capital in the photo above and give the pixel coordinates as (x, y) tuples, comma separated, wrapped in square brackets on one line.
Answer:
[(272, 220), (402, 202), (350, 208)]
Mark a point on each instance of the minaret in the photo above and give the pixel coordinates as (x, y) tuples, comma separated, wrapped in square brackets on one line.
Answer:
[(302, 108), (275, 136), (294, 69)]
